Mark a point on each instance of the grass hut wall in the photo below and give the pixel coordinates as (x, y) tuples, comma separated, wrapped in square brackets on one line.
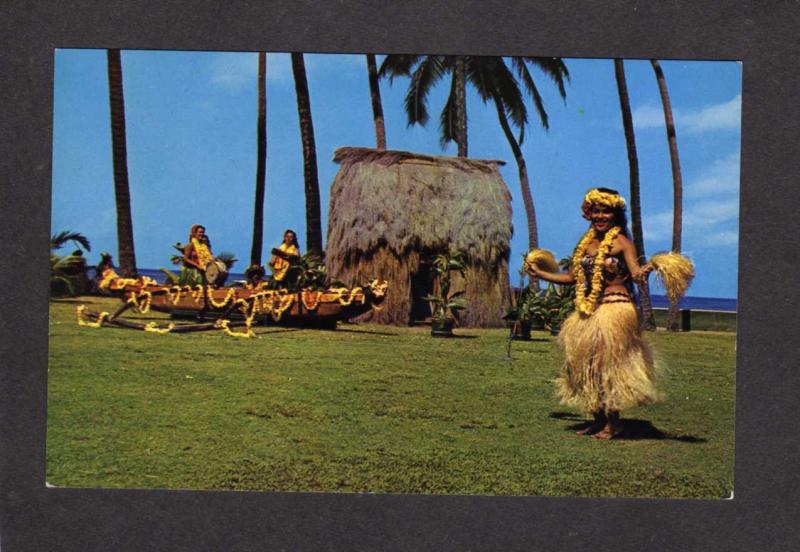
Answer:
[(390, 211)]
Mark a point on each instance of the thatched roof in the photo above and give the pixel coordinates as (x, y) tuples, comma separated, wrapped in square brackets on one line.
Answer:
[(405, 201)]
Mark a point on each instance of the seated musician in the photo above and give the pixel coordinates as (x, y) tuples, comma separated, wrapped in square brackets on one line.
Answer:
[(283, 255)]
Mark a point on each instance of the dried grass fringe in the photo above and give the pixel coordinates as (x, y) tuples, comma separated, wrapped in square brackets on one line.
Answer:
[(607, 364), (674, 272)]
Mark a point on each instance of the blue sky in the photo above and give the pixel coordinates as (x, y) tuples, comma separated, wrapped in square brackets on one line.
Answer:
[(191, 131)]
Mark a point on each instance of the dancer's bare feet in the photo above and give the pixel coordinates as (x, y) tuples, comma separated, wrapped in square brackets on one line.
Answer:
[(608, 432), (611, 429), (590, 430), (597, 424)]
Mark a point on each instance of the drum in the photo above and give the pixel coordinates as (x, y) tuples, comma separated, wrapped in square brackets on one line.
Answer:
[(216, 273)]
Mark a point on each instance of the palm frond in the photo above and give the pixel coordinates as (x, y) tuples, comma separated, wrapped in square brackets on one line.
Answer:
[(447, 119), (228, 258), (395, 65), (427, 74), (172, 278), (554, 68), (507, 87), (60, 263), (530, 86), (478, 73), (57, 241)]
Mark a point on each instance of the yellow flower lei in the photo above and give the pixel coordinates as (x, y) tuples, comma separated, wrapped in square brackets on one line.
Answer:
[(153, 327), (144, 306), (231, 295), (81, 322), (223, 324), (378, 287), (587, 304), (340, 293), (311, 299), (197, 294), (203, 253)]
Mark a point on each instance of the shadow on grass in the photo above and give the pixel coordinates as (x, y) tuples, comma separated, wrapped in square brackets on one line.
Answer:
[(368, 332), (78, 299), (264, 331), (632, 429)]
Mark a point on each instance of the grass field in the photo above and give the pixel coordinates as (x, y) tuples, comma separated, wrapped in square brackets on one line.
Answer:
[(370, 409)]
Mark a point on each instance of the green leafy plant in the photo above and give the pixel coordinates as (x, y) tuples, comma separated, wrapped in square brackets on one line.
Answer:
[(559, 302), (446, 305), (305, 272), (529, 308), (68, 272)]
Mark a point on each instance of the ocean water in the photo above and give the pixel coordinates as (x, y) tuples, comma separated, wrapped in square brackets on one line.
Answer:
[(658, 301)]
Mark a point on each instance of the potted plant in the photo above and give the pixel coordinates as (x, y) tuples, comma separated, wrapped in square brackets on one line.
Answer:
[(527, 312), (446, 305)]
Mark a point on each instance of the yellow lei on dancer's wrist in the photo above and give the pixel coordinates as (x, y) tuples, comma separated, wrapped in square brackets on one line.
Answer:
[(587, 304)]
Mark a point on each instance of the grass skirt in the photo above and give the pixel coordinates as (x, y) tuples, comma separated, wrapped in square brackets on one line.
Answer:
[(607, 365)]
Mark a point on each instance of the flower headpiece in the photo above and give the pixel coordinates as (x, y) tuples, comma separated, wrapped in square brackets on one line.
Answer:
[(597, 197)]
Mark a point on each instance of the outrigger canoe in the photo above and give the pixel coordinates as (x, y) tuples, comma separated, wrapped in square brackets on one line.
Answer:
[(227, 307)]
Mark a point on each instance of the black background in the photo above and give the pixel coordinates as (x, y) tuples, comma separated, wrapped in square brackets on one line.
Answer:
[(763, 514)]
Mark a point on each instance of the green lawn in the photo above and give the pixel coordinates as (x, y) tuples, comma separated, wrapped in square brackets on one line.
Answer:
[(370, 409)]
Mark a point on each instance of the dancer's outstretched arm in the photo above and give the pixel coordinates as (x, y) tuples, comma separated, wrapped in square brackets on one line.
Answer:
[(555, 277)]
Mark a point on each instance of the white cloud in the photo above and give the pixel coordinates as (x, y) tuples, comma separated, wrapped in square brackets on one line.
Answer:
[(721, 239), (710, 213), (721, 177), (233, 70), (722, 116), (701, 221)]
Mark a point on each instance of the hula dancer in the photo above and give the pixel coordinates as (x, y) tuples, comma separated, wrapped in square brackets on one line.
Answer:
[(608, 366)]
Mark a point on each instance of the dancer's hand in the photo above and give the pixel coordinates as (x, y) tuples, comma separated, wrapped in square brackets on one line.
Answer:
[(644, 272)]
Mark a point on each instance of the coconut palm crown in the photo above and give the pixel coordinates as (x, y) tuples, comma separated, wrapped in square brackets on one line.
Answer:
[(504, 83)]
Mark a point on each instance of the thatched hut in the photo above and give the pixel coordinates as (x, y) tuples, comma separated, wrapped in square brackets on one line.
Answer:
[(392, 210)]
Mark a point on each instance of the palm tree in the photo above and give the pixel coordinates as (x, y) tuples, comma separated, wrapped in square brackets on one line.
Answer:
[(68, 272), (57, 241), (313, 218), (677, 182), (127, 256), (377, 107), (460, 94), (494, 82), (427, 71), (648, 322), (504, 92), (261, 162)]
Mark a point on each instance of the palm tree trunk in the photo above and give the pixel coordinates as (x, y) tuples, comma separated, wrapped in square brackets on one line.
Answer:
[(527, 196), (313, 218), (261, 162), (677, 181), (119, 148), (648, 322), (460, 83), (377, 107)]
